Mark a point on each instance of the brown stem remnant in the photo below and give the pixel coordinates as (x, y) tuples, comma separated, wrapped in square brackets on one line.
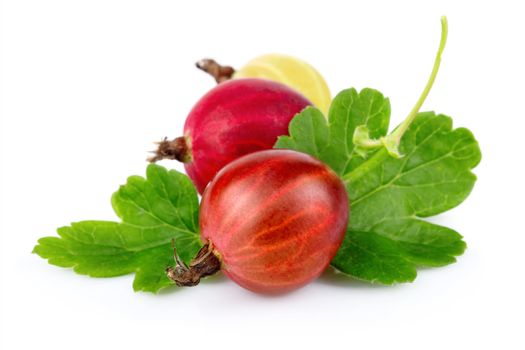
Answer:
[(175, 149), (205, 263), (218, 72)]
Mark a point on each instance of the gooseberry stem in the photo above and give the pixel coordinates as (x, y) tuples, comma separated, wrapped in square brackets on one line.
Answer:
[(391, 142), (219, 72), (413, 113)]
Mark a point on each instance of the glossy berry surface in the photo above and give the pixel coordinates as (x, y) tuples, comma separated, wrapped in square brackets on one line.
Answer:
[(233, 119), (275, 218)]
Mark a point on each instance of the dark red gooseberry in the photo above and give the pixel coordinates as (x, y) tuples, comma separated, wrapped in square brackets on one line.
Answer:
[(234, 118), (272, 220)]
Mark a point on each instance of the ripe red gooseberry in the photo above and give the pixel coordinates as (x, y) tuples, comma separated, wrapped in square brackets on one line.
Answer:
[(234, 118), (271, 221)]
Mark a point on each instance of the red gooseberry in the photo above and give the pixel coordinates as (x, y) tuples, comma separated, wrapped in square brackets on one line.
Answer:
[(234, 118), (271, 221)]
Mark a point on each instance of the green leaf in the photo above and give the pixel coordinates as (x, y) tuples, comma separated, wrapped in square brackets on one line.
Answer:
[(332, 142), (155, 210), (390, 252), (374, 258), (310, 133), (432, 177), (386, 240)]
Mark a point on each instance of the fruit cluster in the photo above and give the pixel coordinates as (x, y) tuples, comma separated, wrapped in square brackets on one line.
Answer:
[(271, 220), (280, 167)]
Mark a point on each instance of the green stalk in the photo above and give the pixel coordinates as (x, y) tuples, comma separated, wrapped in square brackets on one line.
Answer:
[(391, 142), (377, 159)]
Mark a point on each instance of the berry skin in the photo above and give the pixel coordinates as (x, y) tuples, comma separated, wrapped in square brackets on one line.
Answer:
[(292, 72), (275, 219), (233, 119)]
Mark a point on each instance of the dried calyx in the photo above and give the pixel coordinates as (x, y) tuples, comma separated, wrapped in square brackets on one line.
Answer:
[(205, 263), (172, 149), (218, 72)]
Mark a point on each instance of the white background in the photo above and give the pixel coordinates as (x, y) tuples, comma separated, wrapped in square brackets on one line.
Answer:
[(88, 85)]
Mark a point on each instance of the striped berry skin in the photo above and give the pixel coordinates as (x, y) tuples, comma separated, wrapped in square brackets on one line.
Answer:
[(233, 119), (275, 219)]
